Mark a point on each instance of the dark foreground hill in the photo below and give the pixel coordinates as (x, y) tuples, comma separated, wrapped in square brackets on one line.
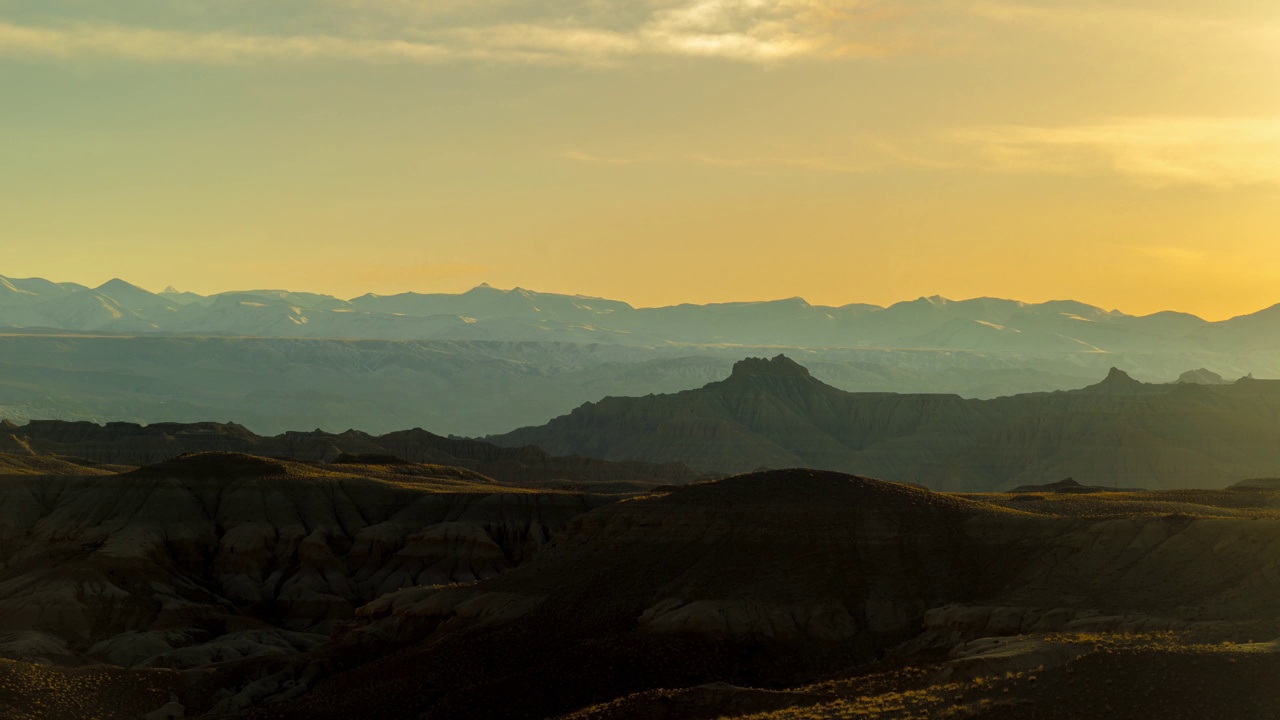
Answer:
[(130, 444), (235, 586), (773, 413)]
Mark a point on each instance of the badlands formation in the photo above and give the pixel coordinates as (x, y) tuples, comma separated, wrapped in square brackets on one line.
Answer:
[(228, 585)]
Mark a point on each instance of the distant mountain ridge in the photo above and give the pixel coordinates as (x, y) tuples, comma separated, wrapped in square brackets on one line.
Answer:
[(774, 414), (488, 360), (486, 313)]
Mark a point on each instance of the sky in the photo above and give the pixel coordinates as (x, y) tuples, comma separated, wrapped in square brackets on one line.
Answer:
[(1124, 153)]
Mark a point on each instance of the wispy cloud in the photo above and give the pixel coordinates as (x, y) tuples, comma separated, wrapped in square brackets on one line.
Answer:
[(1160, 151), (859, 156), (1124, 17), (1156, 152), (756, 31), (766, 162), (583, 32), (211, 47), (1170, 254), (1228, 28), (583, 157)]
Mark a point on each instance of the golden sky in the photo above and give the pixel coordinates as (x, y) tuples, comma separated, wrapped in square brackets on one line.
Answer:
[(1122, 153)]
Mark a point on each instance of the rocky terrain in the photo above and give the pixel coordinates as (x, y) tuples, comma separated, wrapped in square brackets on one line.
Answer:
[(225, 585), (217, 557), (775, 414)]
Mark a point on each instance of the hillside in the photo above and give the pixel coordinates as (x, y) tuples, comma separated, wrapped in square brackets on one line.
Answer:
[(774, 414)]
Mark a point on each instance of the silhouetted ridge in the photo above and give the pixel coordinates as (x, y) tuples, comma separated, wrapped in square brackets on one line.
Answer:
[(1267, 483), (1203, 376), (229, 465), (772, 414), (781, 365), (147, 445), (369, 459), (1070, 487), (814, 488), (1118, 382)]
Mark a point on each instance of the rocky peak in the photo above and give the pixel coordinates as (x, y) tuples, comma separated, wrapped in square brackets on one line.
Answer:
[(1118, 382), (119, 285), (1202, 376), (780, 366)]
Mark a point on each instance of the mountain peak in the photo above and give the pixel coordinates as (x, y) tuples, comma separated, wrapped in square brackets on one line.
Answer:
[(1116, 376), (118, 284), (1203, 376), (1118, 382), (778, 366)]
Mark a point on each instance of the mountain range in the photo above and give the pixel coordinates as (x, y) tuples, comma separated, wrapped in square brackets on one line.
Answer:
[(487, 313), (487, 361), (775, 414)]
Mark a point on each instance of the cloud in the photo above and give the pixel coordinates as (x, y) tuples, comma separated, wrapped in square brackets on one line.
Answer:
[(210, 47), (1176, 255), (581, 32), (861, 155), (583, 157), (1231, 26), (1160, 151), (814, 164)]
